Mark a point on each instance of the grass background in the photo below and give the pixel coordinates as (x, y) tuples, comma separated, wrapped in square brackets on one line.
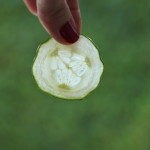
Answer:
[(116, 116)]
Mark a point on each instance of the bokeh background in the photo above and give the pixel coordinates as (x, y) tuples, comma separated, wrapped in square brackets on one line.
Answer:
[(116, 116)]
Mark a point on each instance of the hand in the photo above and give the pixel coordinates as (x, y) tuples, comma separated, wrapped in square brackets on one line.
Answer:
[(61, 18)]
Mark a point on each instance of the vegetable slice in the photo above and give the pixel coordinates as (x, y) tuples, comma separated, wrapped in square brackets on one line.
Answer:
[(68, 71)]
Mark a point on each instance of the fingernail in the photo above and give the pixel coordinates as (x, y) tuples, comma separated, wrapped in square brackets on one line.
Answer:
[(69, 33)]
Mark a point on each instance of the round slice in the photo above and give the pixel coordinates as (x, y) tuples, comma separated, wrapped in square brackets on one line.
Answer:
[(68, 71)]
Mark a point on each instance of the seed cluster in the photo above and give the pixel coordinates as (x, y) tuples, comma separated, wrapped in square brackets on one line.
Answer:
[(68, 67)]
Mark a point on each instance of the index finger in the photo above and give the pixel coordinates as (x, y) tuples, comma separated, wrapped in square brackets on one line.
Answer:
[(75, 11)]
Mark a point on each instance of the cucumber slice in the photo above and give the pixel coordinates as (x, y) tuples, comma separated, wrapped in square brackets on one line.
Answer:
[(68, 71)]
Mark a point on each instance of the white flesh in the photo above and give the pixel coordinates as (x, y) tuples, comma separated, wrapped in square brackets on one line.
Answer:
[(68, 72)]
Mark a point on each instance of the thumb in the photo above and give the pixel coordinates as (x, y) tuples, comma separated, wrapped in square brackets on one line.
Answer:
[(57, 19)]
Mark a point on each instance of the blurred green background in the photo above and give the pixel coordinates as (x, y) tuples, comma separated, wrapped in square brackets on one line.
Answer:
[(116, 116)]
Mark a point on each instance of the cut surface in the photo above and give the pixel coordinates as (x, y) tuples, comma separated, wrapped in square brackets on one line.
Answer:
[(68, 72)]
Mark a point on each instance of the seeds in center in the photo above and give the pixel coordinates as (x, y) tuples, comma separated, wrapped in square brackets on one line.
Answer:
[(68, 68)]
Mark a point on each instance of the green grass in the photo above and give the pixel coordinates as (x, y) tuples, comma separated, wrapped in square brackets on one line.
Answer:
[(113, 117)]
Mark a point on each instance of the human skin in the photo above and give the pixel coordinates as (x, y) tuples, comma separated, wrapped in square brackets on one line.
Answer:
[(60, 18)]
